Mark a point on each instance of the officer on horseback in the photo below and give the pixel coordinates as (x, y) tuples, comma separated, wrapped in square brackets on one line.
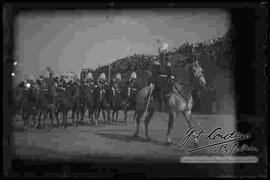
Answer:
[(90, 79), (116, 81), (102, 80), (132, 81), (161, 73)]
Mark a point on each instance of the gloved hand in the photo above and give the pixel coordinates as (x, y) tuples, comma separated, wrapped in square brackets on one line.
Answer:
[(172, 77), (152, 85)]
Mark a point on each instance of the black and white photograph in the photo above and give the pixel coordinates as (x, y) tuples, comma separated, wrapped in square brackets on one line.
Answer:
[(127, 85)]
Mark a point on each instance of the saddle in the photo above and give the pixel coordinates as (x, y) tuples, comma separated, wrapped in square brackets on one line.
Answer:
[(161, 91)]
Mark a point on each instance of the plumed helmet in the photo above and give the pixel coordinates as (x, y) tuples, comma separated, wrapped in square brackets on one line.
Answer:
[(169, 64), (133, 75), (89, 76), (118, 76), (102, 76), (156, 62), (46, 74), (164, 47), (31, 78)]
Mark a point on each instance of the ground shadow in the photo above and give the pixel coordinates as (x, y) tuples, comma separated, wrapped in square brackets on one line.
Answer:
[(130, 138)]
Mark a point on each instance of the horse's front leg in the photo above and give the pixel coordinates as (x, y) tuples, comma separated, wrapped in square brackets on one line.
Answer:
[(56, 116), (113, 115), (104, 115), (116, 116), (45, 115), (77, 111), (52, 114), (108, 111), (170, 126), (138, 119), (65, 118), (187, 115), (146, 123), (39, 118), (125, 115), (98, 113)]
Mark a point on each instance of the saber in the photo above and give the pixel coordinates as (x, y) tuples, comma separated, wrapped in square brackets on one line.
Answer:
[(148, 101)]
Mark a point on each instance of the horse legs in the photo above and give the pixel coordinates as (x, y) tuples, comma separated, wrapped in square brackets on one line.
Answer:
[(125, 115), (39, 118), (113, 114), (91, 110), (134, 116), (104, 115), (187, 115), (45, 114), (98, 113), (116, 116), (65, 118), (82, 114), (89, 113), (146, 123), (52, 114), (56, 116), (138, 119), (172, 117)]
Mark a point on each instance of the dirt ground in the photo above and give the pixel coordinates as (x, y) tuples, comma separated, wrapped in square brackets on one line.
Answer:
[(113, 139)]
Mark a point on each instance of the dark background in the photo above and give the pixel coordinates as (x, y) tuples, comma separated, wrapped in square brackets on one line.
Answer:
[(249, 58)]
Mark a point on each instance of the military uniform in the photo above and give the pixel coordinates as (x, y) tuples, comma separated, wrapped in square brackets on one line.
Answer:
[(161, 72)]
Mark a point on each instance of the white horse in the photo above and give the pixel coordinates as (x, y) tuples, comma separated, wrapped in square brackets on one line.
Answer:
[(179, 99)]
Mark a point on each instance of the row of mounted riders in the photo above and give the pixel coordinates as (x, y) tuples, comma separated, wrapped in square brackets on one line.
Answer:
[(37, 100)]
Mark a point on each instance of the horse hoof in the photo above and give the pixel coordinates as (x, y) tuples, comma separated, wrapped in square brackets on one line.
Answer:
[(195, 144), (148, 139), (168, 143), (135, 135)]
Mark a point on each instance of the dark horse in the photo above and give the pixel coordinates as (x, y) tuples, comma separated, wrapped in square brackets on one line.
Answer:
[(29, 105), (101, 100), (116, 100), (18, 98), (65, 100), (86, 101), (178, 99), (46, 102)]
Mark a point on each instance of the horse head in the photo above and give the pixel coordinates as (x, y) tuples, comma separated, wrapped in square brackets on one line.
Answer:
[(198, 73)]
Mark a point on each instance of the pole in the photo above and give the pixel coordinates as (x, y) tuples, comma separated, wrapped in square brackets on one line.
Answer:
[(148, 101), (109, 73)]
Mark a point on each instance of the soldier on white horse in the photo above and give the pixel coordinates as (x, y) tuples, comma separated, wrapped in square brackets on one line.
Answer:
[(178, 99), (161, 73)]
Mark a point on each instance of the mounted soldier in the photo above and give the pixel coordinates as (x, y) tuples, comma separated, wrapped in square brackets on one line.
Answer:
[(101, 82), (115, 96), (132, 82), (116, 81), (90, 79), (161, 73), (101, 97), (129, 94)]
